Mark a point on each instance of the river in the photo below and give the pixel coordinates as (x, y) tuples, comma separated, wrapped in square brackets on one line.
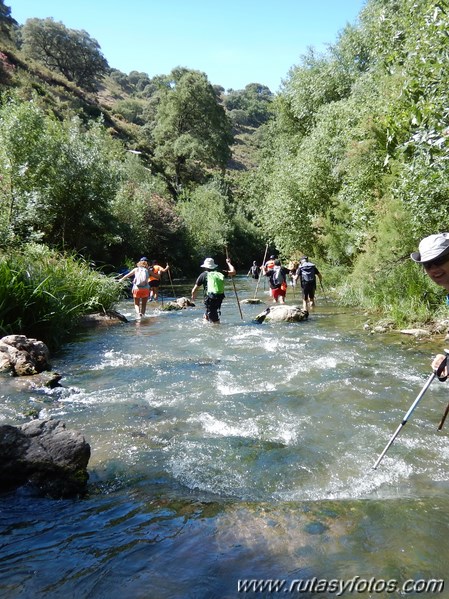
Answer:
[(238, 452)]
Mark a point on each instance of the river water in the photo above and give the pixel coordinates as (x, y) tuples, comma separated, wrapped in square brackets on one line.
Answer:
[(237, 452)]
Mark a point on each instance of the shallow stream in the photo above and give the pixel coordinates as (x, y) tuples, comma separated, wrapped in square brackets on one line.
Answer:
[(237, 452)]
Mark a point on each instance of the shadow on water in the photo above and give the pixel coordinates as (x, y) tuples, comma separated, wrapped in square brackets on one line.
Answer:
[(238, 451)]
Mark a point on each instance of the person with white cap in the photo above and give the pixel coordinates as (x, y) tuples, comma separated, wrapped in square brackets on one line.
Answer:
[(433, 254), (213, 285)]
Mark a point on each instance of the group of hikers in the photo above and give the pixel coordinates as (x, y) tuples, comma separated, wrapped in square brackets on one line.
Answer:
[(303, 271), (433, 254), (147, 277)]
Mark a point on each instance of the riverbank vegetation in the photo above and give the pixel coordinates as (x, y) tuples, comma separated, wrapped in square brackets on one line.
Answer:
[(43, 293), (347, 163)]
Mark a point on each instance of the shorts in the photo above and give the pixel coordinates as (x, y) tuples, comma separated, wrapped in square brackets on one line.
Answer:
[(275, 293), (308, 290), (141, 292), (155, 283), (213, 308)]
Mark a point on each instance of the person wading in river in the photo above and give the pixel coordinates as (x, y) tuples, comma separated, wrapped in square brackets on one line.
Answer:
[(141, 287), (433, 254), (213, 284), (307, 273)]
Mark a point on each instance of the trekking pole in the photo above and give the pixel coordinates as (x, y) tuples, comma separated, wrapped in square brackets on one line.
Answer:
[(412, 407), (171, 283), (233, 284), (260, 273), (324, 293)]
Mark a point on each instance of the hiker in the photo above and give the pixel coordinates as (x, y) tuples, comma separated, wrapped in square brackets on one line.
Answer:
[(213, 285), (277, 278), (155, 279), (254, 271), (433, 254), (268, 265), (141, 287), (307, 273)]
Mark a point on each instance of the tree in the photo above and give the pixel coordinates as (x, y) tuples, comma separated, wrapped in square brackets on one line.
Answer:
[(250, 106), (70, 52), (57, 179), (205, 215), (6, 21), (188, 129)]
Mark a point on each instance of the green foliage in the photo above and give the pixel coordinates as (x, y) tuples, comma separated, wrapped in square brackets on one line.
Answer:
[(69, 52), (57, 179), (250, 106), (43, 294), (190, 132), (205, 213), (149, 221)]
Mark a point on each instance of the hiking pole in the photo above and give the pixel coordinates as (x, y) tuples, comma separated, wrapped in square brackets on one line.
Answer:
[(446, 411), (412, 407), (171, 283), (324, 293), (260, 273), (233, 284)]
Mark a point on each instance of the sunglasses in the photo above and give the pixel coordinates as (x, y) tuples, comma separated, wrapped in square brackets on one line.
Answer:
[(436, 262)]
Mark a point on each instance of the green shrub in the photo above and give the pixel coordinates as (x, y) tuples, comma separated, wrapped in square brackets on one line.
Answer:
[(43, 293)]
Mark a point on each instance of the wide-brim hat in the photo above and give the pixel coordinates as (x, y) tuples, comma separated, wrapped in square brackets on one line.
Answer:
[(209, 263), (431, 247)]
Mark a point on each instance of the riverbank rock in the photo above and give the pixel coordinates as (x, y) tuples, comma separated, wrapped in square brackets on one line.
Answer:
[(416, 332), (102, 318), (252, 301), (23, 356), (180, 304), (45, 455), (282, 313)]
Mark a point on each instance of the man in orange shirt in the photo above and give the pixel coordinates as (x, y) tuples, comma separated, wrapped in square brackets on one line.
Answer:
[(155, 280)]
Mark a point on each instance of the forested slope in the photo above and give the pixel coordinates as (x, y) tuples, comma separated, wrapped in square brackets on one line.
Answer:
[(347, 163)]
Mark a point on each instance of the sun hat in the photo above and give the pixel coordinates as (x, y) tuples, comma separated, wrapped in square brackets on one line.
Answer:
[(209, 263), (431, 247)]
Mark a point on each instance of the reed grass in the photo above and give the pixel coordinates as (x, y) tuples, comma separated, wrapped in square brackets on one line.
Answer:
[(43, 294)]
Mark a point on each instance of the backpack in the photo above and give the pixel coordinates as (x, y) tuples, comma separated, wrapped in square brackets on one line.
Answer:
[(278, 276), (141, 277), (215, 283), (307, 272)]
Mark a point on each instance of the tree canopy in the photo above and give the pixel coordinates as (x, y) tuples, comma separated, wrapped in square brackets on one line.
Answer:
[(70, 52)]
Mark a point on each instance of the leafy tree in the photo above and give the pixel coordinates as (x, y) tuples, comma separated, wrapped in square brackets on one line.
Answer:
[(188, 129), (69, 52), (250, 106), (205, 213), (57, 179), (7, 23), (149, 222)]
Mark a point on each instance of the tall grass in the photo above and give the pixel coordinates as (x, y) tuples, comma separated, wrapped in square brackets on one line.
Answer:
[(400, 291), (43, 294)]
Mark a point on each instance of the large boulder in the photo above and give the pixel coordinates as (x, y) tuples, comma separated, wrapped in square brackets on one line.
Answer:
[(45, 455), (23, 356), (282, 313)]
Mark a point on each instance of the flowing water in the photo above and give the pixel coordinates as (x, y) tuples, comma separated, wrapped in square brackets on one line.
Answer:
[(236, 452)]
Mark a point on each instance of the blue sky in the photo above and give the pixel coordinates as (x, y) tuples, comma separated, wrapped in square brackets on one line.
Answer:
[(234, 42)]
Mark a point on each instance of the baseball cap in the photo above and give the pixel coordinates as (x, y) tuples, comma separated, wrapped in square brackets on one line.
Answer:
[(431, 247)]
